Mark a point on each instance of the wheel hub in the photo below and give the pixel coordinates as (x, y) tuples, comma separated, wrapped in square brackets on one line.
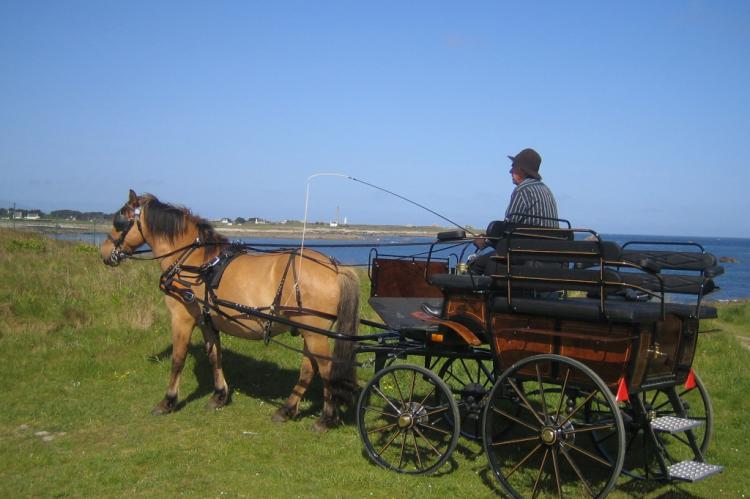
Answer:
[(549, 435), (405, 421), (413, 413)]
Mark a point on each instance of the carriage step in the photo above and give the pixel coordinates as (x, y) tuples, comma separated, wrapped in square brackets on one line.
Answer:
[(692, 471), (671, 424)]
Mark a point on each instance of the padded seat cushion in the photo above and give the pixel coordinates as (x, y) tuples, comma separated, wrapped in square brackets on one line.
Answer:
[(588, 309)]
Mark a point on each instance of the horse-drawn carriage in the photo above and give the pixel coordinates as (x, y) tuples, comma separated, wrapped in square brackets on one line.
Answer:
[(567, 359)]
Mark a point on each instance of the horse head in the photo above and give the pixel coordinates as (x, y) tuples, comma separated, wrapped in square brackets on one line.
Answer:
[(123, 239)]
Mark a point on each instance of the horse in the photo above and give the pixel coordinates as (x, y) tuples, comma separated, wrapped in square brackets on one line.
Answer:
[(320, 294)]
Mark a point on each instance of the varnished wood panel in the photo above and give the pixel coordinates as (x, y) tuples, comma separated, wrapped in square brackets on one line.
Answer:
[(392, 278)]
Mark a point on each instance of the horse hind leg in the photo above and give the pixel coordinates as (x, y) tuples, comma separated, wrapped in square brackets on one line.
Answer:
[(220, 397), (318, 346)]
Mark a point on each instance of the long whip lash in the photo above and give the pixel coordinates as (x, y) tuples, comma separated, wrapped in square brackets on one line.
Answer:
[(307, 199)]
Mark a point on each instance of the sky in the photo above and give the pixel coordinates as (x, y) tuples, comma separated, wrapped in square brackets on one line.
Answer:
[(640, 110)]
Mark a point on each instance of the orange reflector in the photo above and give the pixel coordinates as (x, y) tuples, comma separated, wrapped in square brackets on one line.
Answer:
[(690, 381), (622, 391), (437, 338)]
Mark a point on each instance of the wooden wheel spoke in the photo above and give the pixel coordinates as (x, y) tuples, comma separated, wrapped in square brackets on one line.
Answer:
[(433, 428), (380, 411), (562, 394), (516, 441), (432, 390), (449, 372), (591, 428), (534, 491), (577, 471), (403, 445), (515, 419), (413, 383), (602, 440), (658, 407), (687, 390), (434, 449), (398, 387), (437, 411), (466, 370), (416, 451), (556, 467), (384, 397), (575, 411), (525, 401), (382, 428), (587, 454), (388, 444), (526, 458), (541, 392)]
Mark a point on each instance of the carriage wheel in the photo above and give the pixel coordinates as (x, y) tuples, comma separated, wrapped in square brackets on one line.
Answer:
[(640, 458), (404, 416), (546, 450), (470, 380)]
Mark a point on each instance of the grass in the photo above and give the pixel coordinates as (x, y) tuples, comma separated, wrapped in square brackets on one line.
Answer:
[(85, 349)]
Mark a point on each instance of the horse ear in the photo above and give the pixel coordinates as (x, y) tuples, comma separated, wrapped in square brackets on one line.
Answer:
[(133, 199)]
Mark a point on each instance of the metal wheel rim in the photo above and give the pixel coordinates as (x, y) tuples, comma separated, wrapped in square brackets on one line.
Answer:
[(546, 453), (403, 418)]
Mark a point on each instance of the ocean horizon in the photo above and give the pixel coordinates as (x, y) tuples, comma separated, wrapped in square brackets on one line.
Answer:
[(734, 284)]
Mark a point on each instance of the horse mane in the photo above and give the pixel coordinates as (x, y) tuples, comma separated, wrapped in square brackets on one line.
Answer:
[(171, 221)]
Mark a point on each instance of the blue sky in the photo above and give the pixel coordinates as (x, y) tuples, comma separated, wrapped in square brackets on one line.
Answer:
[(640, 110)]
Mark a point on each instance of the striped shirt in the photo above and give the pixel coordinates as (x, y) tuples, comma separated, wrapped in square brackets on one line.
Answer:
[(532, 199)]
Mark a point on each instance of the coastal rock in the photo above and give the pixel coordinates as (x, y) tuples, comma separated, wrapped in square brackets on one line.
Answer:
[(728, 259)]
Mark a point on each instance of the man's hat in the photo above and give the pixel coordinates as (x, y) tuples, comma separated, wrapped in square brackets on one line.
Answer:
[(527, 161)]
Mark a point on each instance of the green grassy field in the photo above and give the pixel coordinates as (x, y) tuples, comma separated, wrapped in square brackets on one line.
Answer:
[(84, 351)]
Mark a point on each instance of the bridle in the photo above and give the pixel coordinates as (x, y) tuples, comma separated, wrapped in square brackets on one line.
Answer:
[(122, 224)]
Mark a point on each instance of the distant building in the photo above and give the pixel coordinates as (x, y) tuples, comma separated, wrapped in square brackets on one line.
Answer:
[(32, 216)]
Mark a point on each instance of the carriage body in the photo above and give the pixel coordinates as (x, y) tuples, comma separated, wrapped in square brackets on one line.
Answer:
[(583, 315)]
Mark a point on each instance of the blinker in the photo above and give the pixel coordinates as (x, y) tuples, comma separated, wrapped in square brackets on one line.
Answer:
[(120, 222)]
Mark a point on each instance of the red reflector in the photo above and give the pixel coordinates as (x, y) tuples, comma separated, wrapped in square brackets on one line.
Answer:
[(690, 381), (622, 391)]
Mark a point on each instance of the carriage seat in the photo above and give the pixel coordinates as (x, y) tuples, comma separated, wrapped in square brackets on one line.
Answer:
[(588, 309), (587, 280)]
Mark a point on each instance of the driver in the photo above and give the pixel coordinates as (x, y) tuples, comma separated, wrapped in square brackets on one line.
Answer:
[(531, 203)]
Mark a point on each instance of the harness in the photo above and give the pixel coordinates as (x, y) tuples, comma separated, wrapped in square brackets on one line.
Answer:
[(179, 279)]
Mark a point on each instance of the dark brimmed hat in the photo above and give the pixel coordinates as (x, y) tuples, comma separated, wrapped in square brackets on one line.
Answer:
[(527, 161)]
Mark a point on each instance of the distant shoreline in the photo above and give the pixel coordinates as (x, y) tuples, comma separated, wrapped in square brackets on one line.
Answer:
[(271, 231)]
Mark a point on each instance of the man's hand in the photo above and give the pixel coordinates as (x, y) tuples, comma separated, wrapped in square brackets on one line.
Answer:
[(480, 242)]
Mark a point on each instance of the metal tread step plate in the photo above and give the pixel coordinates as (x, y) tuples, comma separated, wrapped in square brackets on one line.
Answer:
[(692, 471), (672, 424)]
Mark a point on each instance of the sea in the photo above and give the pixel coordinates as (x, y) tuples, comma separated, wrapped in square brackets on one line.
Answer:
[(734, 284)]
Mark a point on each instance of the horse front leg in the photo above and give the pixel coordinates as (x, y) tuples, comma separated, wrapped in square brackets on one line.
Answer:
[(182, 328), (291, 406), (213, 349)]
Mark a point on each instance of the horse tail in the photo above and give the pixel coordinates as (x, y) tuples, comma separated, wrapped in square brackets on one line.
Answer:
[(343, 373)]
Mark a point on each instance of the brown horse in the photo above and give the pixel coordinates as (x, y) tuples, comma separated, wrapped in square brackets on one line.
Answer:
[(311, 289)]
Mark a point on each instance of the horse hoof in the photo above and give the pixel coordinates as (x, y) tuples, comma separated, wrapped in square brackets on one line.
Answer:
[(214, 405), (319, 427), (283, 414), (280, 416), (160, 410), (166, 406), (218, 400)]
